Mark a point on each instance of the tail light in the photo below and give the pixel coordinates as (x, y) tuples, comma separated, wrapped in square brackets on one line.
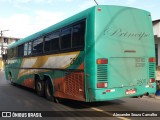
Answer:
[(99, 9), (102, 61), (152, 60), (152, 80), (102, 85)]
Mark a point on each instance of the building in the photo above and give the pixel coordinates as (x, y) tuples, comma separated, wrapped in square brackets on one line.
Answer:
[(156, 30), (4, 42)]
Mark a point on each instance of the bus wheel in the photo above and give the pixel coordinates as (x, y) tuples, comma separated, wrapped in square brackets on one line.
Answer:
[(39, 87), (49, 90)]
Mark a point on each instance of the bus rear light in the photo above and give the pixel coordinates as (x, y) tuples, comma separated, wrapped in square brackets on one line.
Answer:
[(152, 60), (102, 85), (99, 9), (102, 61), (108, 90), (111, 90), (152, 80)]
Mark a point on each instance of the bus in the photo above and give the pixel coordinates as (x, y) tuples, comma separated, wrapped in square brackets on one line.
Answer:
[(102, 53)]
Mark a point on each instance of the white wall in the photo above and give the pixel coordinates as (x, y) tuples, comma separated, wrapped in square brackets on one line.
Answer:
[(156, 29), (157, 41)]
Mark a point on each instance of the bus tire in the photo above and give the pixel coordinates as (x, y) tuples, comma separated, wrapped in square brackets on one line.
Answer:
[(49, 90), (39, 87)]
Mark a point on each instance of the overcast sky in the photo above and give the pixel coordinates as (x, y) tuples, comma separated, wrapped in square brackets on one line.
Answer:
[(25, 17)]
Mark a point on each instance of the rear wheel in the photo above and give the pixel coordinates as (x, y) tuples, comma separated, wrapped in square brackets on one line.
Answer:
[(49, 90), (39, 87)]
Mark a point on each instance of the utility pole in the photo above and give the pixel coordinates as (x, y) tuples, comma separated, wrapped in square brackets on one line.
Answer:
[(2, 47), (2, 41)]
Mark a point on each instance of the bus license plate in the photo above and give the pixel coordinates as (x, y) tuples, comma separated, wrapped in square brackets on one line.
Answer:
[(128, 92)]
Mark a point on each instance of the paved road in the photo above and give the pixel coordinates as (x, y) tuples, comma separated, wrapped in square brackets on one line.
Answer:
[(15, 98)]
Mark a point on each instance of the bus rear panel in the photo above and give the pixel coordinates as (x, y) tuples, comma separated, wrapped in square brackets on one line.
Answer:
[(124, 56)]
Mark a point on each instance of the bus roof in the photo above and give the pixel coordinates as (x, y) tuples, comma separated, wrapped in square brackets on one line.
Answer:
[(63, 23)]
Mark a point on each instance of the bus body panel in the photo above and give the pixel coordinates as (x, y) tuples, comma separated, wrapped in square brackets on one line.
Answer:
[(89, 58), (117, 93), (128, 31), (65, 69), (124, 37), (128, 72)]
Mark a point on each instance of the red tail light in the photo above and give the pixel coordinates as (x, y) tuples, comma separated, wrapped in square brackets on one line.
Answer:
[(152, 80), (102, 61), (108, 90), (99, 9), (102, 85), (152, 60)]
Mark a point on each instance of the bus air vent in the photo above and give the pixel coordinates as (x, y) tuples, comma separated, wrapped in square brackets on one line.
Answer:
[(102, 73), (151, 70), (74, 84)]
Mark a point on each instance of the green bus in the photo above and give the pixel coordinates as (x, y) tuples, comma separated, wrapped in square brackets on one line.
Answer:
[(102, 53)]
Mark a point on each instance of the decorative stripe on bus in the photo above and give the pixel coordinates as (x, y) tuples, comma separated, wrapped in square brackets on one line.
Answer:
[(58, 61)]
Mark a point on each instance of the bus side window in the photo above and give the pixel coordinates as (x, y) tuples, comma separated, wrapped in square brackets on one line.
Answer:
[(25, 49), (9, 53), (66, 38), (12, 52), (38, 46), (51, 42), (29, 48), (78, 35), (20, 50), (15, 52)]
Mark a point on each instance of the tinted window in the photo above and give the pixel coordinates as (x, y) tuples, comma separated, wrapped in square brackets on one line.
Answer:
[(10, 53), (66, 38), (52, 42), (15, 52), (29, 48), (38, 46), (20, 51), (78, 35), (25, 49)]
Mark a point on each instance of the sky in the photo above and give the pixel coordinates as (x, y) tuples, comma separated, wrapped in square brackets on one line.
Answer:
[(22, 18)]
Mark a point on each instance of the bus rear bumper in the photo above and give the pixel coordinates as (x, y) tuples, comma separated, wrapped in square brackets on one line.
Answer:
[(117, 93)]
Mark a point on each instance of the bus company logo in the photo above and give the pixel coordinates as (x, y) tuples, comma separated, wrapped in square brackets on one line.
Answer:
[(120, 33), (6, 114)]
